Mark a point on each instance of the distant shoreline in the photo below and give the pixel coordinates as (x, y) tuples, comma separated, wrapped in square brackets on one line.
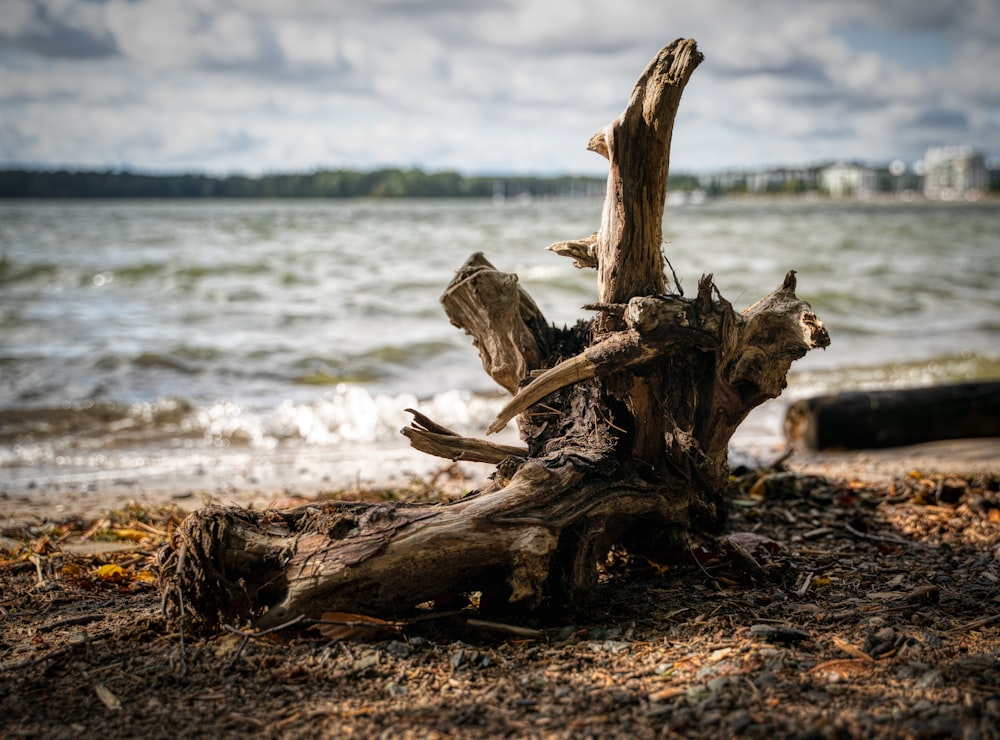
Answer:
[(742, 199), (394, 184), (383, 184)]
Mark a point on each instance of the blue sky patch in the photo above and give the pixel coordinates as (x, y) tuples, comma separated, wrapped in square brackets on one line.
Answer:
[(911, 49)]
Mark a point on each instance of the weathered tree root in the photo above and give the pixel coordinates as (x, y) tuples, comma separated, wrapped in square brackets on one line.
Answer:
[(626, 421)]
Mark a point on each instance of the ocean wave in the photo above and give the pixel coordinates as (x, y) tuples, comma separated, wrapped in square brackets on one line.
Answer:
[(353, 414), (92, 418), (12, 273), (347, 414)]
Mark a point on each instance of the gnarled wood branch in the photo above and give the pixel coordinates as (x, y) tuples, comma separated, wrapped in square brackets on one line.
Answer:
[(583, 251), (637, 145), (432, 438), (505, 324)]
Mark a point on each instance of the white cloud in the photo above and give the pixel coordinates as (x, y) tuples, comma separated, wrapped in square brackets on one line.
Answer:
[(58, 28), (188, 34), (257, 85), (305, 46)]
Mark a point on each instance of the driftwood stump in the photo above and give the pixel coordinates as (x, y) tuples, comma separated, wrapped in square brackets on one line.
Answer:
[(895, 417), (625, 419)]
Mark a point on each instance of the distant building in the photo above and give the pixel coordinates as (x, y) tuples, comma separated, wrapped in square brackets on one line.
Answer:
[(780, 180), (730, 181), (848, 180), (952, 172)]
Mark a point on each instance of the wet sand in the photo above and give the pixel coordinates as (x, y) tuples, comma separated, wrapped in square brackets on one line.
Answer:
[(249, 479), (262, 481)]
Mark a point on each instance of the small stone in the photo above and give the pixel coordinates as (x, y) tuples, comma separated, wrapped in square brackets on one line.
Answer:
[(717, 684), (739, 721), (927, 594), (398, 649), (880, 642), (924, 708), (615, 646), (605, 633), (910, 670), (951, 490), (979, 504), (886, 633), (778, 633), (928, 679)]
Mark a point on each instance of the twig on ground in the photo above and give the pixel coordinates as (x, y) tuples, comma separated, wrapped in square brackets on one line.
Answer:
[(247, 636), (976, 624), (87, 639), (511, 629), (71, 621), (877, 537)]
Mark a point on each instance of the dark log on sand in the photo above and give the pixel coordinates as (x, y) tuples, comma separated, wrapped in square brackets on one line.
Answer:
[(859, 420), (625, 419)]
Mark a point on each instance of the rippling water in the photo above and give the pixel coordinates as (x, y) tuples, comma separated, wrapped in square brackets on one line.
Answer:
[(132, 329)]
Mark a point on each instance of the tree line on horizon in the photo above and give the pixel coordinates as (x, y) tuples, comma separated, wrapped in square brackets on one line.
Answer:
[(381, 183), (402, 183)]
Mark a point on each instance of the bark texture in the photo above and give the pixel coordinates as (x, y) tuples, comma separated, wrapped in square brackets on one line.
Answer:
[(625, 419)]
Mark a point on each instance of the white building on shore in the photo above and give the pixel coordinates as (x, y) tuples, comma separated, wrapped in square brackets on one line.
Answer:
[(952, 172), (848, 181)]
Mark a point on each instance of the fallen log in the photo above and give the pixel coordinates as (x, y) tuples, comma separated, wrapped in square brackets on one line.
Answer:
[(625, 419), (896, 417)]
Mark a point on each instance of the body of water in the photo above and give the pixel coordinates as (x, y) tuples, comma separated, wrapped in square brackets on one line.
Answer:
[(174, 333)]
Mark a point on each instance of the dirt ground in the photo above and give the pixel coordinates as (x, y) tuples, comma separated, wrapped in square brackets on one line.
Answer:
[(833, 607)]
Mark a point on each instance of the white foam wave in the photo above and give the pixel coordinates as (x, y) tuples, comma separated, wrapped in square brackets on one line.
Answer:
[(347, 414)]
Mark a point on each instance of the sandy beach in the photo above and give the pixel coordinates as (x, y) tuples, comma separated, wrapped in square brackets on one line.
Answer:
[(276, 480), (253, 479)]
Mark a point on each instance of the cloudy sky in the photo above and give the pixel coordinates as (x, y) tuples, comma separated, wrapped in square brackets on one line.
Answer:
[(485, 86)]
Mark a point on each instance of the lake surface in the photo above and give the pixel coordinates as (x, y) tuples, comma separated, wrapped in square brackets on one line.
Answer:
[(169, 333)]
